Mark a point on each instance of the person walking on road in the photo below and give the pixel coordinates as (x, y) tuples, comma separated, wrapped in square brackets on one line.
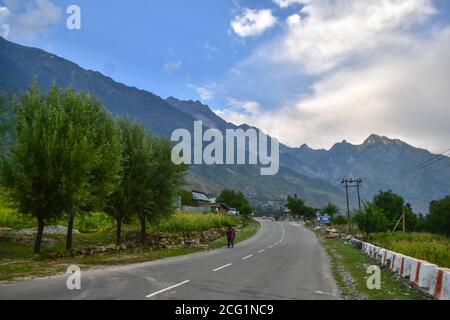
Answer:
[(231, 236)]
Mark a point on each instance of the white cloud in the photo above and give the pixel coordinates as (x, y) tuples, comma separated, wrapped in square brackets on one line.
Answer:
[(170, 67), (403, 95), (287, 3), (240, 111), (248, 106), (253, 22), (4, 22), (327, 33), (30, 18), (206, 92)]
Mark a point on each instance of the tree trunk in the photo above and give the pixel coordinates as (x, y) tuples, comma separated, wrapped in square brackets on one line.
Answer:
[(143, 230), (69, 235), (40, 231), (118, 232)]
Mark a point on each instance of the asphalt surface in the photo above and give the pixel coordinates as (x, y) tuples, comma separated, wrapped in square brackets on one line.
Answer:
[(283, 261)]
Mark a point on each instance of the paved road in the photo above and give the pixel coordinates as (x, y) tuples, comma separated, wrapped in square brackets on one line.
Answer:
[(283, 261)]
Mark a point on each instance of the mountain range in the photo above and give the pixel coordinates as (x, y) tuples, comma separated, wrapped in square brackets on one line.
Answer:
[(315, 175)]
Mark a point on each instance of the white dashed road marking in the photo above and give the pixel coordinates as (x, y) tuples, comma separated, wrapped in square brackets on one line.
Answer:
[(247, 257), (167, 289), (222, 267)]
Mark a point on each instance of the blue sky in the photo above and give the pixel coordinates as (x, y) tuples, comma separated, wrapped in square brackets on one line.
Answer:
[(294, 65)]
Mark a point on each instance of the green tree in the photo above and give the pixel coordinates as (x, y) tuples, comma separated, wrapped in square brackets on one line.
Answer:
[(90, 155), (411, 219), (339, 220), (391, 204), (422, 223), (235, 199), (64, 157), (6, 114), (186, 198), (296, 206), (438, 220), (246, 210), (31, 168), (160, 186), (133, 192), (299, 209), (371, 219), (330, 209)]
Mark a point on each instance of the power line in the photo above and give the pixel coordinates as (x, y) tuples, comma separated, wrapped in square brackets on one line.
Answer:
[(439, 169), (427, 161), (421, 166)]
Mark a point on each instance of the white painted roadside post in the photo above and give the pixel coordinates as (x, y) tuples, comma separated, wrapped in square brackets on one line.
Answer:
[(440, 285), (422, 273)]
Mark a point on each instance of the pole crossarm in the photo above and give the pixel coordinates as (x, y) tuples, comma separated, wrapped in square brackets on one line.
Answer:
[(351, 183)]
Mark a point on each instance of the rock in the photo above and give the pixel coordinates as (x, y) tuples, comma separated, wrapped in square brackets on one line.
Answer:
[(47, 230), (110, 248), (332, 236), (5, 230)]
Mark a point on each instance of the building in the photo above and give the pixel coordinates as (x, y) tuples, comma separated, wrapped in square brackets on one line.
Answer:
[(207, 204)]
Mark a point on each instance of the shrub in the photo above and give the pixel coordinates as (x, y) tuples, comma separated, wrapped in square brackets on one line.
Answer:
[(371, 219)]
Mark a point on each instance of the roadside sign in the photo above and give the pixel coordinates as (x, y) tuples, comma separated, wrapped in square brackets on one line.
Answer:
[(326, 219)]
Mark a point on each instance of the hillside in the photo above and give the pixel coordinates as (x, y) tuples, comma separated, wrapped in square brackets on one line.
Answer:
[(19, 65)]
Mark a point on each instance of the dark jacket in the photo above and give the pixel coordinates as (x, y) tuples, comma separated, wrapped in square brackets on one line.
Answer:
[(231, 234)]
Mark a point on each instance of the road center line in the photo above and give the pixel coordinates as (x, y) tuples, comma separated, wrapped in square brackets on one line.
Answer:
[(247, 257), (167, 289), (270, 247), (261, 251), (222, 267)]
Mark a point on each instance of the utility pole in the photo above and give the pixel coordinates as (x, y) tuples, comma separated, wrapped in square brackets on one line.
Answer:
[(351, 184), (345, 183), (404, 220), (358, 183)]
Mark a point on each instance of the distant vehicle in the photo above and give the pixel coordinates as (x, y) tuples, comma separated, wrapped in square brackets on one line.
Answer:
[(233, 212), (264, 217)]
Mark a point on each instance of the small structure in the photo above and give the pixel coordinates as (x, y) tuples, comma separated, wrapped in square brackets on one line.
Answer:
[(201, 198), (207, 204)]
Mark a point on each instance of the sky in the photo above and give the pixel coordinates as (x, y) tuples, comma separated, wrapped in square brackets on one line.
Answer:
[(318, 71)]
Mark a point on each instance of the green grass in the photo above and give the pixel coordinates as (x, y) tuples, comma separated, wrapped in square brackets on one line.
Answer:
[(425, 246), (191, 222), (348, 260), (17, 262), (97, 221), (98, 229)]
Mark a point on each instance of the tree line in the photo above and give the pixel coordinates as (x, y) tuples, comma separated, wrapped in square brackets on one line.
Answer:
[(67, 156), (381, 214), (385, 210)]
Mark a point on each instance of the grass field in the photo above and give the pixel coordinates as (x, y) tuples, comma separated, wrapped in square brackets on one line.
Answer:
[(189, 222), (97, 229), (426, 246), (349, 267)]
